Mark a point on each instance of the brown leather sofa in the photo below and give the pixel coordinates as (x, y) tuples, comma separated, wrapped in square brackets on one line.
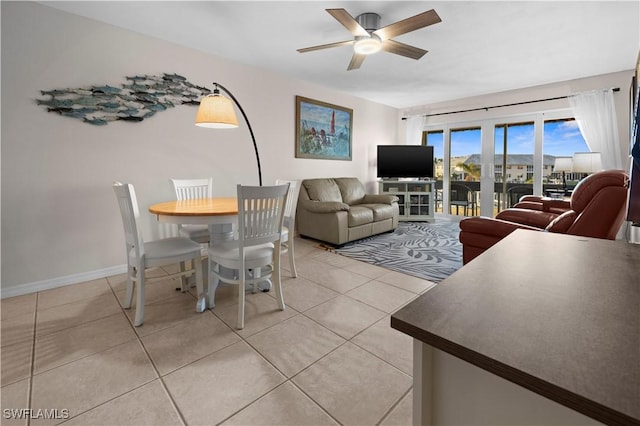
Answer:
[(596, 210), (337, 210)]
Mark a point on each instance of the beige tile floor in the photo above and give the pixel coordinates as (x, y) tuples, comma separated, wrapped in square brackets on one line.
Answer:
[(329, 358)]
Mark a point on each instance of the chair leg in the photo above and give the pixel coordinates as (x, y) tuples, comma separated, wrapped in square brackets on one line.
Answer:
[(139, 300), (277, 280), (255, 273), (292, 262), (202, 297), (240, 321), (128, 298), (212, 283), (183, 279)]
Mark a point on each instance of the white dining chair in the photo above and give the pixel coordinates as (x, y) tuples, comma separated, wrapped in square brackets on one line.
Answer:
[(252, 257), (190, 189), (143, 255), (289, 222)]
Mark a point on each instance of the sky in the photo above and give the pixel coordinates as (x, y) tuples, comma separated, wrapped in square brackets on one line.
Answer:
[(561, 138)]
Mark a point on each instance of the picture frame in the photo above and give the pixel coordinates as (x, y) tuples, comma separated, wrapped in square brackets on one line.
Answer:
[(323, 130)]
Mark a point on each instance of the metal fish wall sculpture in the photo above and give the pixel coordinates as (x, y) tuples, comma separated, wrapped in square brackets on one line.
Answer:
[(141, 97)]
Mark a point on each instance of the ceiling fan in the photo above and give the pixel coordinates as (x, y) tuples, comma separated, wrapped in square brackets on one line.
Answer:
[(370, 38)]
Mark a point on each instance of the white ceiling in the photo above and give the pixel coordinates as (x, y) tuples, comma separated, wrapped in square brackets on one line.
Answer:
[(479, 47)]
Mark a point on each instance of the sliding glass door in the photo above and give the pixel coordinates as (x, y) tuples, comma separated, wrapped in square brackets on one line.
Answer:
[(507, 158), (436, 140), (513, 163), (464, 171)]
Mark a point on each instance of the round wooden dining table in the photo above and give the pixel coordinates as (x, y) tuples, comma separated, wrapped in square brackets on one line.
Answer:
[(220, 214), (198, 211)]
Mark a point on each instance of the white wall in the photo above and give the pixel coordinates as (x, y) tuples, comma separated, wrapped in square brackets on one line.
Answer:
[(60, 222)]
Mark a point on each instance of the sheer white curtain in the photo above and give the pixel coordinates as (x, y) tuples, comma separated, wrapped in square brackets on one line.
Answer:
[(595, 113), (414, 128)]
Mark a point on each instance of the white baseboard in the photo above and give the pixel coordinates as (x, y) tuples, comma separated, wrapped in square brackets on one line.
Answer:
[(20, 289)]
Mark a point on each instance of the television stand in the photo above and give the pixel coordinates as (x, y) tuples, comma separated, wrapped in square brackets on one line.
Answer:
[(415, 198)]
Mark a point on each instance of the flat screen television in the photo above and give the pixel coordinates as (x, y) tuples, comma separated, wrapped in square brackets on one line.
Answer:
[(405, 161)]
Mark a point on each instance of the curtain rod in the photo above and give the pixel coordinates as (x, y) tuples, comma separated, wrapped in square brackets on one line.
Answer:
[(615, 89)]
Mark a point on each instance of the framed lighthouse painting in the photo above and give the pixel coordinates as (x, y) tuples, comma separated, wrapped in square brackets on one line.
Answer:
[(323, 130)]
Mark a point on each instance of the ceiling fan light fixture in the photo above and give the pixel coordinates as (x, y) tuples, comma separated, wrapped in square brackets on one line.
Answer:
[(367, 45)]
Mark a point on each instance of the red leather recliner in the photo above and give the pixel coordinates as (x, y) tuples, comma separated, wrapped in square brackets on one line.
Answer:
[(596, 210)]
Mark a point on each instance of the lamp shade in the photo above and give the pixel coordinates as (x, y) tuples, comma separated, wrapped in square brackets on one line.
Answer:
[(587, 162), (216, 111), (563, 164)]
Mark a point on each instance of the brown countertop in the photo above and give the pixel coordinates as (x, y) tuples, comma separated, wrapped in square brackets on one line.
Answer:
[(556, 314)]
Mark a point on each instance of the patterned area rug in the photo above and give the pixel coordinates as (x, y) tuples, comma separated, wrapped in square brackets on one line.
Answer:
[(425, 250)]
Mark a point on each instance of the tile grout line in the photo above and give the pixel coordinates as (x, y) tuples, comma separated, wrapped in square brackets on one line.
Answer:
[(358, 346), (287, 379), (290, 380), (137, 337), (153, 365), (314, 401), (394, 406)]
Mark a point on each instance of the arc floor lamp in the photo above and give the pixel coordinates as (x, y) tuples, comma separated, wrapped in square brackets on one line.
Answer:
[(217, 112)]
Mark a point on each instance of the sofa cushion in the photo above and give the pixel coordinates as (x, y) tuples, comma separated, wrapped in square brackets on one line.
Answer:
[(322, 190), (323, 206), (379, 199), (380, 211), (525, 216), (351, 189), (359, 215)]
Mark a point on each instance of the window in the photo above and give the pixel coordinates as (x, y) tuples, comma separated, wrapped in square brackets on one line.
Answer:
[(524, 155), (562, 139), (464, 171), (514, 148), (436, 140)]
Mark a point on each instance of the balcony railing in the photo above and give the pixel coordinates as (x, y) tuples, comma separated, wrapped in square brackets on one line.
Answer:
[(464, 198)]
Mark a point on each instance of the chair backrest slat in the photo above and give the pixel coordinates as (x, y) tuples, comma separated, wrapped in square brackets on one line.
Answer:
[(260, 213), (191, 189)]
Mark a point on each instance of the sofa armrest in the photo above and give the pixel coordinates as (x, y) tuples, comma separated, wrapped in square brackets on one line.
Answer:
[(323, 206), (531, 198), (529, 205), (379, 199), (555, 205)]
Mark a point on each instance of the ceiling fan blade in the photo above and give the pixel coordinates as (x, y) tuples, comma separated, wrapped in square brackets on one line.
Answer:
[(356, 61), (420, 20), (402, 49), (325, 46), (347, 20)]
